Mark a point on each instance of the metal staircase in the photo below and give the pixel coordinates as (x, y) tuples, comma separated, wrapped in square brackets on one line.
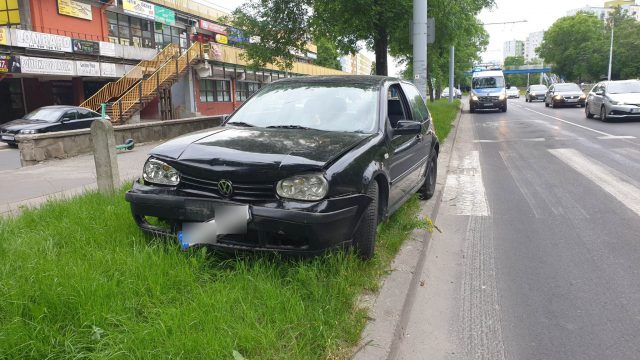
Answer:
[(150, 87), (116, 89)]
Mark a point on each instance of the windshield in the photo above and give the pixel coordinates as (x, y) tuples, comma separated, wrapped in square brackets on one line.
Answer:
[(329, 107), (567, 87), (624, 87), (489, 82), (538, 88), (48, 115)]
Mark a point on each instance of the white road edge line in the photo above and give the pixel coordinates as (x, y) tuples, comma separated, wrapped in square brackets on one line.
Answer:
[(572, 123), (616, 137), (509, 140), (610, 180)]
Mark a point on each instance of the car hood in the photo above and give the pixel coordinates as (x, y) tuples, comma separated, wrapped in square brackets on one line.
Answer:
[(630, 98), (22, 124), (256, 154), (489, 92)]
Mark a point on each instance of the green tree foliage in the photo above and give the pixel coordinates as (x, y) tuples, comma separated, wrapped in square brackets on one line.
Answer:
[(578, 46), (519, 80), (327, 54), (286, 25)]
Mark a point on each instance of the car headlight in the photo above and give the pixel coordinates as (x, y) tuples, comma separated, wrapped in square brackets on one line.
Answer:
[(613, 102), (303, 187), (28, 131), (557, 97), (502, 97), (474, 97), (583, 96), (158, 172)]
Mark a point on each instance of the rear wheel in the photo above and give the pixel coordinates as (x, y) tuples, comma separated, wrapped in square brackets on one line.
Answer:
[(587, 112), (429, 187), (364, 239)]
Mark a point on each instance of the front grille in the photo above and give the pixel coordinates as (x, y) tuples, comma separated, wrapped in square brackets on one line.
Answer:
[(241, 191), (488, 98), (571, 97)]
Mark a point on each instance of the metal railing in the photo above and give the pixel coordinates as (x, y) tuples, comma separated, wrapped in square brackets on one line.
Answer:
[(115, 89), (149, 87)]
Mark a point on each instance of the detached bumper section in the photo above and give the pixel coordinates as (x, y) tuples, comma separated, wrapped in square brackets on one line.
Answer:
[(294, 227)]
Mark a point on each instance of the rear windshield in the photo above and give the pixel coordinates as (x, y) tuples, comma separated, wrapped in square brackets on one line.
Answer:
[(488, 82), (567, 87), (624, 87)]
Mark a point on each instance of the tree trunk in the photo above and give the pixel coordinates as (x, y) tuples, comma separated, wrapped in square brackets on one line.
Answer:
[(429, 84), (380, 41)]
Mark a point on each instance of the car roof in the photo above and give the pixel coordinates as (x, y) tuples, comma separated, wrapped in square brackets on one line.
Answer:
[(488, 73), (368, 80), (62, 107)]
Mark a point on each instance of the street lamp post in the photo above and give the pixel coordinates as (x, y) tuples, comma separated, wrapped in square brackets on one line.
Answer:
[(611, 52)]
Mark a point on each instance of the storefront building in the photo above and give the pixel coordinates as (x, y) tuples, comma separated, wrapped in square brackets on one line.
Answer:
[(65, 51)]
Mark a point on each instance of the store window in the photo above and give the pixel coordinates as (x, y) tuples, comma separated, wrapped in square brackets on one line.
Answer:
[(244, 89), (11, 103), (166, 34), (215, 90), (127, 30), (9, 13)]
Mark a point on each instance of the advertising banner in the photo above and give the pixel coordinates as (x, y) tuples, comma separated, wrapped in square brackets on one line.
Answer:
[(164, 15), (107, 49), (87, 68), (4, 36), (221, 39), (9, 64), (237, 36), (139, 8), (209, 26), (42, 41), (33, 65), (75, 9), (108, 70), (86, 47)]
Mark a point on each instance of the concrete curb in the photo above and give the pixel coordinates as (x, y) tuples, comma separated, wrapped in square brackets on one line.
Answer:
[(389, 311)]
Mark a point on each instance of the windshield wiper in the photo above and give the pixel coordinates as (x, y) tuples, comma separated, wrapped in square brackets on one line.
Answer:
[(298, 127), (240, 123)]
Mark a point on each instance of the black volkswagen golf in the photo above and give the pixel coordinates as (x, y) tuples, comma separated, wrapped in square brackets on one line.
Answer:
[(305, 165)]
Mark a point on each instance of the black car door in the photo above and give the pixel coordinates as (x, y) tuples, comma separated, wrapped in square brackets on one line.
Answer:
[(68, 121), (86, 117), (405, 164)]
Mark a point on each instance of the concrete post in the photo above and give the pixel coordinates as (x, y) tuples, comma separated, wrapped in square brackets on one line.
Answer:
[(451, 73), (420, 46), (104, 156)]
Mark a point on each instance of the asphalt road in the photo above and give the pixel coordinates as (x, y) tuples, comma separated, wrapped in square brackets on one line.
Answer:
[(539, 255), (9, 157)]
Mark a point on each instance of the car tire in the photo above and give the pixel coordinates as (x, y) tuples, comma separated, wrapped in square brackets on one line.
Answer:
[(587, 112), (472, 109), (546, 104), (553, 105), (364, 239), (526, 99), (603, 114), (504, 108), (429, 187)]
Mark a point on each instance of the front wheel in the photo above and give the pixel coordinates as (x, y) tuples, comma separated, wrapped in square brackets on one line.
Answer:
[(587, 112), (504, 108), (364, 240), (546, 104), (603, 114), (429, 187)]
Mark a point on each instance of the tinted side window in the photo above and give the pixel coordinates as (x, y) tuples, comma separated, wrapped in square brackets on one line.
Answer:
[(85, 114), (70, 115), (418, 107)]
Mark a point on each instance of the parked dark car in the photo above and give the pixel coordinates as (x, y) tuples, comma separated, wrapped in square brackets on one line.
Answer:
[(564, 94), (535, 92), (611, 100), (48, 119), (306, 164)]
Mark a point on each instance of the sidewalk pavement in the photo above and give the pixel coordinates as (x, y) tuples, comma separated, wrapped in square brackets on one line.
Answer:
[(32, 185)]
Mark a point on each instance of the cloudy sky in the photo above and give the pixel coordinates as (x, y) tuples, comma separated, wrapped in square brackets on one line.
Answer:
[(540, 14)]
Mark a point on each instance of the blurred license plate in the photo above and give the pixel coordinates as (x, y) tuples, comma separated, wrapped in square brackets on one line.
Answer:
[(635, 111), (8, 137), (229, 219), (572, 100)]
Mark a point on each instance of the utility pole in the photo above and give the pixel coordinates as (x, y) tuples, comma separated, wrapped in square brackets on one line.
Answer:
[(420, 46), (611, 51), (452, 55)]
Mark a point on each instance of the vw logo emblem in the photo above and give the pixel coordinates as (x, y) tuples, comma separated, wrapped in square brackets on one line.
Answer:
[(225, 187)]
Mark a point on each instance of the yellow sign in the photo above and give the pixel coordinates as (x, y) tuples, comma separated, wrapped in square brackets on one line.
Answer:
[(221, 39), (75, 9), (4, 35)]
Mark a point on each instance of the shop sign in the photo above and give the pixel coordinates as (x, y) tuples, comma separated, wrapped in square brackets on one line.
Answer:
[(107, 49), (36, 40), (164, 15), (4, 36), (221, 39), (139, 8), (9, 64), (311, 55), (75, 9), (108, 70), (87, 68), (209, 26), (86, 47), (33, 65), (237, 36)]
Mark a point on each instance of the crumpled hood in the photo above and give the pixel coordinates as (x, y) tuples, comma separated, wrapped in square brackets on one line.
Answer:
[(257, 154)]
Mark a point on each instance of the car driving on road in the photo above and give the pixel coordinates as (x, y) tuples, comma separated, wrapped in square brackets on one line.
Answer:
[(614, 100), (564, 94), (488, 91), (48, 119), (535, 93), (306, 164), (513, 93)]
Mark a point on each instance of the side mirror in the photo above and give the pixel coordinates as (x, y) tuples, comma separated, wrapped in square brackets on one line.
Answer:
[(407, 127), (600, 92), (65, 119), (508, 86)]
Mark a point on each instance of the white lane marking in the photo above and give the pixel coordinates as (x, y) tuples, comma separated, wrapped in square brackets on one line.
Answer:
[(570, 123), (495, 141), (613, 137), (610, 180), (464, 190)]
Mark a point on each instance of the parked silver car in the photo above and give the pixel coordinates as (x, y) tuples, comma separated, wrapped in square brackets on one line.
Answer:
[(614, 100)]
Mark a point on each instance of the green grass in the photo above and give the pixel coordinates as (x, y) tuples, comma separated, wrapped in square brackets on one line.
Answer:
[(443, 115), (79, 280)]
